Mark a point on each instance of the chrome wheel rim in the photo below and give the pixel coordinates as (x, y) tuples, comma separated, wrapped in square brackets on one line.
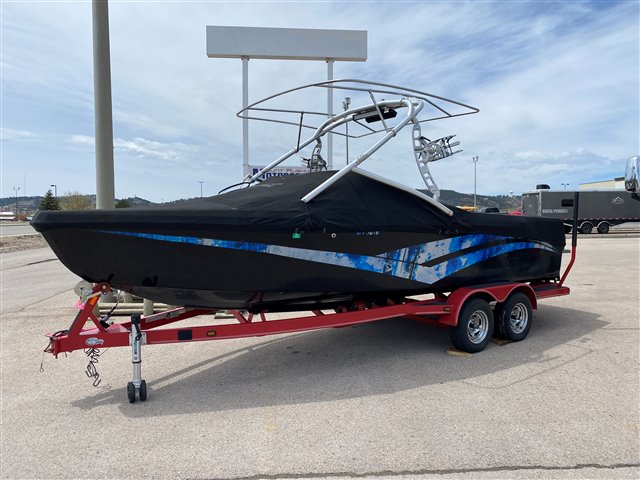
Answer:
[(478, 327), (519, 318)]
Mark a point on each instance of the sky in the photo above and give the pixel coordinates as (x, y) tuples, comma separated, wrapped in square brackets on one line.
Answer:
[(557, 85)]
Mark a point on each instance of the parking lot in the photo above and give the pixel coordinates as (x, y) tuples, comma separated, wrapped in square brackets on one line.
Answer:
[(381, 400)]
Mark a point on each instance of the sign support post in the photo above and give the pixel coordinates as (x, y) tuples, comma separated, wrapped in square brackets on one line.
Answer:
[(330, 114), (248, 43), (245, 121)]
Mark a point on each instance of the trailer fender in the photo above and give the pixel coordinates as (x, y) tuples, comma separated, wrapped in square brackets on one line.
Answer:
[(493, 293)]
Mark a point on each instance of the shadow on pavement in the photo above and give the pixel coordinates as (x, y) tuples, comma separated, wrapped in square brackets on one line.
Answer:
[(359, 361)]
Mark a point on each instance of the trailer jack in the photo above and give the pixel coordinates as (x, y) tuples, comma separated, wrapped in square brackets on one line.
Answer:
[(137, 338)]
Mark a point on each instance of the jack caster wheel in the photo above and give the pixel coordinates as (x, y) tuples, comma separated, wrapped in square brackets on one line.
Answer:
[(514, 317), (143, 391), (475, 325), (131, 392)]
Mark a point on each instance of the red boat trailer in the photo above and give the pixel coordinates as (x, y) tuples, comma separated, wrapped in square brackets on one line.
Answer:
[(441, 311), (463, 311), (466, 311)]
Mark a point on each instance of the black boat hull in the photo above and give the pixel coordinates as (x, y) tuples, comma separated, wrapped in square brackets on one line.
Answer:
[(262, 248), (188, 270)]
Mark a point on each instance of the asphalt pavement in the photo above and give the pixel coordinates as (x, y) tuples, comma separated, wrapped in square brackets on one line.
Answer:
[(18, 228), (381, 400)]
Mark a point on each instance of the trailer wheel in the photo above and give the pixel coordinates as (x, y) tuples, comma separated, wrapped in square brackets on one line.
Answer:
[(513, 317), (131, 392), (586, 228), (474, 328), (603, 227), (143, 391)]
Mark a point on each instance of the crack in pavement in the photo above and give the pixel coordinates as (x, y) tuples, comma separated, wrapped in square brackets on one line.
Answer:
[(42, 261), (23, 265), (390, 473)]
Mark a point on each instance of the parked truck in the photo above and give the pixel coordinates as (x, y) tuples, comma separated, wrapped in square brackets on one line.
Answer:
[(599, 209)]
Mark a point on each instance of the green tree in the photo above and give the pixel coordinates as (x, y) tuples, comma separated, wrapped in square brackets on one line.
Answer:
[(49, 202), (123, 203)]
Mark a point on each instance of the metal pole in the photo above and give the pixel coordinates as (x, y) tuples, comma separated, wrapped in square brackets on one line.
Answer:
[(347, 140), (105, 184), (245, 121), (330, 114), (55, 189), (200, 182), (105, 189), (475, 169), (345, 104), (16, 190)]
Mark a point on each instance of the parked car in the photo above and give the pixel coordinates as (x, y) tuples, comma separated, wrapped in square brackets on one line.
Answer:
[(490, 210)]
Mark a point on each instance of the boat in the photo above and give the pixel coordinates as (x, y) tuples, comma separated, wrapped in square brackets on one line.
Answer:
[(320, 240)]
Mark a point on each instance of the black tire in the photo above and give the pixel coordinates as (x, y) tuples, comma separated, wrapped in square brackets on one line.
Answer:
[(131, 392), (603, 227), (143, 391), (514, 317), (474, 328), (586, 228)]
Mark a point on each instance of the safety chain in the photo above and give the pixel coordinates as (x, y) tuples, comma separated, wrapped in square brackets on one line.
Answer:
[(93, 354)]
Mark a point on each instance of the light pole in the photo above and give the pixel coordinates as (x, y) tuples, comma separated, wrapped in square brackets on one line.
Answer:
[(55, 189), (565, 185), (16, 190), (105, 183), (200, 182), (345, 104), (475, 183)]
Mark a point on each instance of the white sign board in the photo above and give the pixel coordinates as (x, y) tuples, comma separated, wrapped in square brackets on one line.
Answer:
[(286, 43), (278, 171)]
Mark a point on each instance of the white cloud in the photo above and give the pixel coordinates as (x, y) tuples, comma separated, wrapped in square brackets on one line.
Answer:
[(82, 140), (142, 147), (153, 149), (10, 134)]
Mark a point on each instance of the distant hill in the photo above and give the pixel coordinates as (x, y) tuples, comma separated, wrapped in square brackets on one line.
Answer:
[(137, 201), (179, 201), (503, 202), (29, 205)]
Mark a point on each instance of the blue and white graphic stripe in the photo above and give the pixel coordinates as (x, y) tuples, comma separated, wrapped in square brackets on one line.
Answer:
[(404, 263)]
